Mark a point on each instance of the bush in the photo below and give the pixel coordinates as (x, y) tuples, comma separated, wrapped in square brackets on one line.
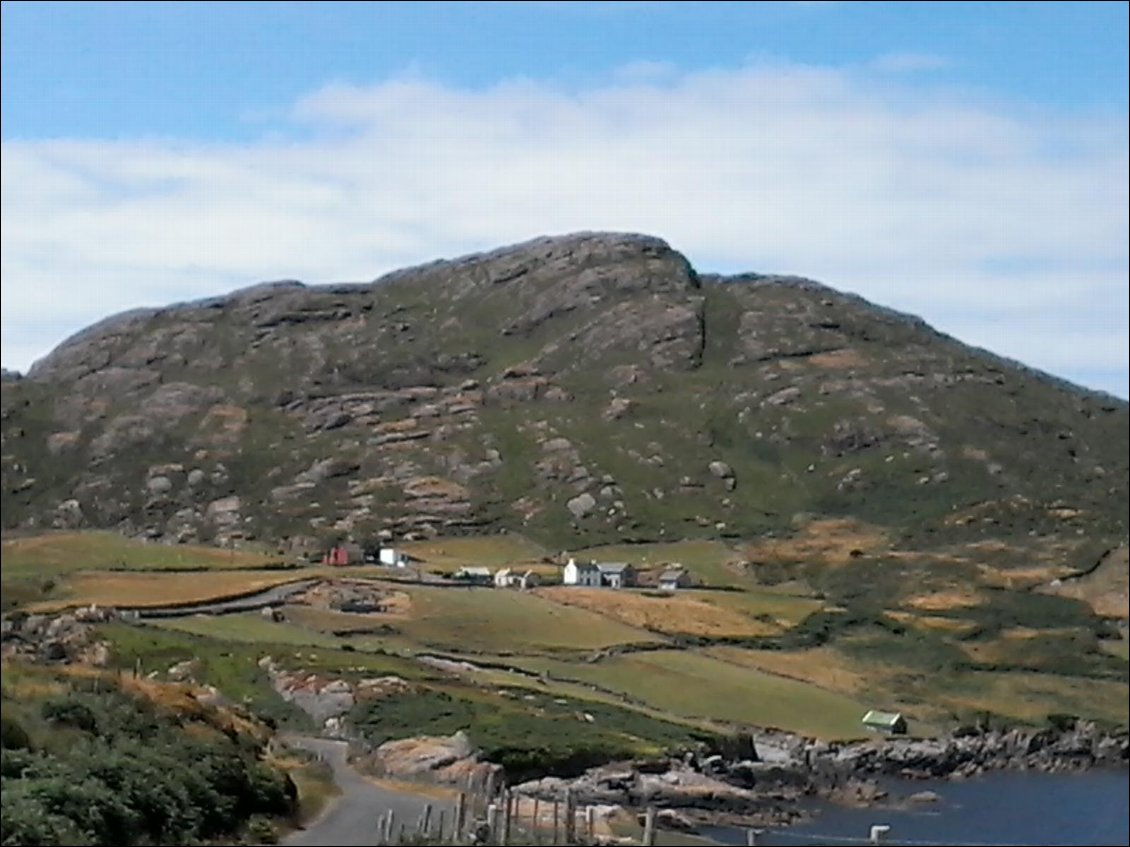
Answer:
[(24, 820), (12, 734), (134, 777), (71, 711)]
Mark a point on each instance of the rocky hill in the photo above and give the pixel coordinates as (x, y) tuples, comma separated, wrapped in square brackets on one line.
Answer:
[(577, 389)]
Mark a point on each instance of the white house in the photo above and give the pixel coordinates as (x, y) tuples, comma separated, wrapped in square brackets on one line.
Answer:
[(392, 557), (673, 579), (507, 578), (585, 574), (474, 575)]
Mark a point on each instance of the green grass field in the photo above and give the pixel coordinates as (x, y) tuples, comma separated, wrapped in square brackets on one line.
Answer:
[(694, 685), (67, 552), (447, 554), (247, 628), (829, 665), (487, 619)]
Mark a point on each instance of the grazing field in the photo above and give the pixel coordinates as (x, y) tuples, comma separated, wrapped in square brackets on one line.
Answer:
[(66, 552), (820, 666), (127, 588), (693, 684), (247, 628), (784, 610), (448, 554), (496, 620), (1026, 696), (685, 613)]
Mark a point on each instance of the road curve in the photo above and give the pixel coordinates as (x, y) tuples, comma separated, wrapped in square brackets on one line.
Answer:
[(352, 818), (272, 596)]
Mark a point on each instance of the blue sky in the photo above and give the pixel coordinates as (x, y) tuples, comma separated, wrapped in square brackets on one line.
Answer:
[(963, 161)]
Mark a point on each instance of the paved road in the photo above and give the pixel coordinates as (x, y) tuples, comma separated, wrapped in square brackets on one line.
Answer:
[(352, 818), (247, 603)]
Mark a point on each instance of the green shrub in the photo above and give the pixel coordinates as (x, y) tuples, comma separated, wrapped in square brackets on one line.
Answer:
[(71, 711), (12, 734)]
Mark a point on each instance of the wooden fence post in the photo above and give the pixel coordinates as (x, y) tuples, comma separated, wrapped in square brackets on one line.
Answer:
[(492, 821), (649, 826), (506, 810), (460, 817), (570, 817)]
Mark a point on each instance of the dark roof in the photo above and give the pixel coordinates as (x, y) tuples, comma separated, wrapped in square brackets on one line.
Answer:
[(613, 567)]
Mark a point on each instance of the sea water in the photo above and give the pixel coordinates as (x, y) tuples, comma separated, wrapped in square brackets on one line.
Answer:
[(999, 808)]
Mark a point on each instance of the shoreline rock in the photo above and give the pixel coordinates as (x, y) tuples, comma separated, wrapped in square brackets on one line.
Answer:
[(767, 787)]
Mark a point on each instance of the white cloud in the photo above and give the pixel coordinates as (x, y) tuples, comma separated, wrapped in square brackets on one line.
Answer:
[(966, 212)]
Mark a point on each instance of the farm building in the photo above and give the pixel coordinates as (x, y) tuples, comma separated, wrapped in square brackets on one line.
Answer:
[(393, 558), (343, 554), (586, 574), (508, 578), (616, 574), (891, 723), (598, 574), (673, 579), (474, 575)]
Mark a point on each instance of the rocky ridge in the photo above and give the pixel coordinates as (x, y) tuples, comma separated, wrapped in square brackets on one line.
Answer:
[(579, 389)]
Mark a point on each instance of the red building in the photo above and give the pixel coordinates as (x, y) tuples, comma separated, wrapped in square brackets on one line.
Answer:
[(338, 555)]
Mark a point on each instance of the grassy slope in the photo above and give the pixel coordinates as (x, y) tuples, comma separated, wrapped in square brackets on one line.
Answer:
[(491, 620), (157, 589), (65, 552), (941, 658)]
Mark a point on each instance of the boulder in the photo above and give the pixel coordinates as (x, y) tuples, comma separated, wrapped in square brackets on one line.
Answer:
[(581, 505)]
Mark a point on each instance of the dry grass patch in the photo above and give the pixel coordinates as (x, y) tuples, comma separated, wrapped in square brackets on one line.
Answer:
[(1106, 589), (828, 541), (933, 623), (1020, 579), (122, 588), (944, 601), (678, 614), (839, 359), (785, 610)]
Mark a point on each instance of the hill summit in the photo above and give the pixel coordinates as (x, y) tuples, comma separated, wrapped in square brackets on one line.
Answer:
[(577, 389)]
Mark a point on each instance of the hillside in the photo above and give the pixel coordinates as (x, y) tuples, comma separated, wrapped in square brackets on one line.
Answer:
[(580, 390)]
